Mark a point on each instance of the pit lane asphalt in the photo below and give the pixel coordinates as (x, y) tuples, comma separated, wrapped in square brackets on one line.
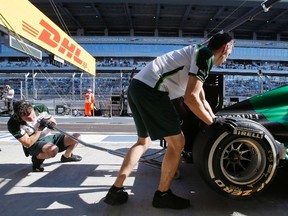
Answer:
[(78, 188)]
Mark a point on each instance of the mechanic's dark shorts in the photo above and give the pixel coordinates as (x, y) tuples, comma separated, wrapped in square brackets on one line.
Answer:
[(152, 110), (57, 139)]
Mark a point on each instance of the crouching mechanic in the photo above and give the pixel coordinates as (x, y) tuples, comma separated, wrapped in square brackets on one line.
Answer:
[(31, 126)]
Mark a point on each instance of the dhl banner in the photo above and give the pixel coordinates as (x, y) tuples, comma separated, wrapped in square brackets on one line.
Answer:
[(27, 21)]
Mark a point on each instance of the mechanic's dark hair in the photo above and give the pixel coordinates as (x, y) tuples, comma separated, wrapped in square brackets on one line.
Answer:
[(218, 40), (22, 108)]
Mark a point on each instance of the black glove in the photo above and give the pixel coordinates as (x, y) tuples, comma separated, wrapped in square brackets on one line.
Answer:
[(43, 124), (51, 125), (228, 124)]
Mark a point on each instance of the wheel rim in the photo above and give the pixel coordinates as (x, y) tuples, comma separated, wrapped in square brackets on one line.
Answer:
[(242, 161)]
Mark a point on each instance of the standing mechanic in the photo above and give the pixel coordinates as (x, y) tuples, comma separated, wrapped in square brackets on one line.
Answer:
[(30, 125), (9, 97), (89, 102), (179, 73)]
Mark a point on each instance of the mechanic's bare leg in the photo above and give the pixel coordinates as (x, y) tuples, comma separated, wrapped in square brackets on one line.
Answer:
[(163, 197), (71, 144), (171, 160), (131, 159), (116, 194), (49, 150)]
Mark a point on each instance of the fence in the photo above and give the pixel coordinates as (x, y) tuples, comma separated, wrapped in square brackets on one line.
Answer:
[(59, 89)]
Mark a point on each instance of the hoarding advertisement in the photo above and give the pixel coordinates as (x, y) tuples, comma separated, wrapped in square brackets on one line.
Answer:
[(26, 20)]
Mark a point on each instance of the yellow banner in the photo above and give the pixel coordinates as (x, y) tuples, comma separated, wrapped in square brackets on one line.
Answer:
[(23, 18)]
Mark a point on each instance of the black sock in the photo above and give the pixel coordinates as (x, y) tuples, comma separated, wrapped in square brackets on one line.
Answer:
[(115, 189), (162, 193)]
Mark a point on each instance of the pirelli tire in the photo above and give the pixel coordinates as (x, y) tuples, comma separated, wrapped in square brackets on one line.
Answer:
[(238, 164)]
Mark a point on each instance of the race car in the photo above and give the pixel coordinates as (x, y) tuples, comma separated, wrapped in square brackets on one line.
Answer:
[(242, 161)]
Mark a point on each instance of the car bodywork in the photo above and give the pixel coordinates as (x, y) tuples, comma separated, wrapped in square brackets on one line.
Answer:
[(270, 109)]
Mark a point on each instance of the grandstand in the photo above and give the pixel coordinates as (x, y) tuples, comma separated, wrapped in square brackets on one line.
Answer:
[(40, 80), (120, 56)]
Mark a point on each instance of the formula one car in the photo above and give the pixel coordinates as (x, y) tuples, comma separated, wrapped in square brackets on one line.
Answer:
[(243, 161)]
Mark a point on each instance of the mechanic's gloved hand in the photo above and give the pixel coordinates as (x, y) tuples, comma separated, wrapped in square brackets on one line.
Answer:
[(43, 124), (51, 125), (228, 124)]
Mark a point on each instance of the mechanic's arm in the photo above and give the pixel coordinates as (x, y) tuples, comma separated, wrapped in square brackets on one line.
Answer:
[(206, 104), (192, 99), (27, 141)]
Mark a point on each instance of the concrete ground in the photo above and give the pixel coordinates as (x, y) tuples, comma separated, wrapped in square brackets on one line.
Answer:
[(78, 188)]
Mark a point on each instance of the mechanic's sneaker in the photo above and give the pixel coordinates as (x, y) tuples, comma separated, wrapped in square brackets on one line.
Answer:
[(116, 196), (37, 164), (169, 200), (72, 158)]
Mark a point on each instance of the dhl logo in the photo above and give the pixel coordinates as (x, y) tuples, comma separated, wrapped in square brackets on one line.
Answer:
[(51, 37)]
